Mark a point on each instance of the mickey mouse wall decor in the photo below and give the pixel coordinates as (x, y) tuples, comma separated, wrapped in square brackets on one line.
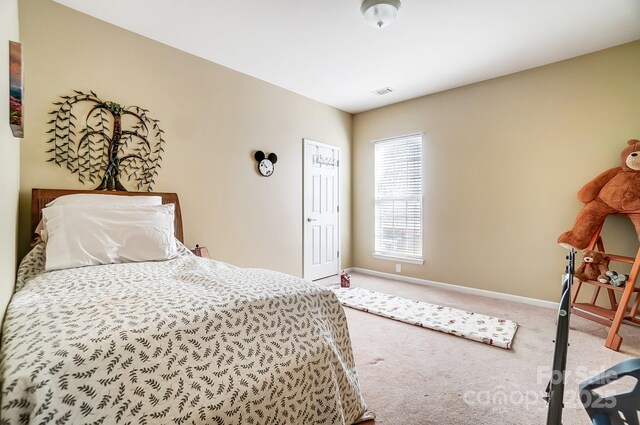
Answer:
[(265, 163)]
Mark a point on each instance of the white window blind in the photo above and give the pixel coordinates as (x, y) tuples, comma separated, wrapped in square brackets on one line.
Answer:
[(398, 182)]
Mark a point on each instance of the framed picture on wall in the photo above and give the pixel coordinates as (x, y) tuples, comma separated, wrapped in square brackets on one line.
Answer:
[(15, 89)]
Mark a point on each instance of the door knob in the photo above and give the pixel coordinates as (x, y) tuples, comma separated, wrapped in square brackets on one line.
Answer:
[(311, 219)]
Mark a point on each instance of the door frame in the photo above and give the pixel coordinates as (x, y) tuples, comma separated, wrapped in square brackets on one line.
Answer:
[(305, 142)]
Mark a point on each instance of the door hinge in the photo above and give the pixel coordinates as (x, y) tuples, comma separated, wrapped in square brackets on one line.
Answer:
[(338, 254), (338, 208), (338, 162)]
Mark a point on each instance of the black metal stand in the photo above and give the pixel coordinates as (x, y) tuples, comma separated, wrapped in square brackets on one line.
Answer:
[(555, 388)]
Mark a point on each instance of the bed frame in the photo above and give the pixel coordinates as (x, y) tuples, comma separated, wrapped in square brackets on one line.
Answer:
[(41, 197)]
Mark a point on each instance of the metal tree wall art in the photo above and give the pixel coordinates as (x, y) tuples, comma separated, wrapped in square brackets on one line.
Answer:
[(102, 141)]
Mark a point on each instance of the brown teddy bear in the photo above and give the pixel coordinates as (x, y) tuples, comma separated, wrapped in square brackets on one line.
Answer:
[(615, 190), (594, 266)]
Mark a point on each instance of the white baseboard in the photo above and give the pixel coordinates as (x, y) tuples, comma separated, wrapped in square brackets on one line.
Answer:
[(463, 289)]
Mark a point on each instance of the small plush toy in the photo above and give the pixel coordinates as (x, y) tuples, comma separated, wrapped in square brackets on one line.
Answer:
[(614, 191), (345, 280), (594, 265), (614, 278)]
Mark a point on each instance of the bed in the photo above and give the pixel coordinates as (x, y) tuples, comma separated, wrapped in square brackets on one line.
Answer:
[(183, 341)]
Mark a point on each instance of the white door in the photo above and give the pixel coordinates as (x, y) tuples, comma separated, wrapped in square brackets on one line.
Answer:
[(321, 210)]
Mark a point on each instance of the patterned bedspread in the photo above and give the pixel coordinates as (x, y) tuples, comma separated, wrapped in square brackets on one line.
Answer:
[(184, 341)]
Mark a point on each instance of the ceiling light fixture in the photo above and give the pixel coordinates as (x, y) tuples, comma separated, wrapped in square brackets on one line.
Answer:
[(380, 13)]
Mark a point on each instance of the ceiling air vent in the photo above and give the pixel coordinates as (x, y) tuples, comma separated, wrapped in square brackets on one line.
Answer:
[(383, 91)]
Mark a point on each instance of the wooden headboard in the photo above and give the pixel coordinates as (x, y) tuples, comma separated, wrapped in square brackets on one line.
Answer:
[(41, 197)]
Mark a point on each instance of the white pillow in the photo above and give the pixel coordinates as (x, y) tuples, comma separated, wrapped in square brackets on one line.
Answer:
[(106, 201), (89, 236), (97, 200)]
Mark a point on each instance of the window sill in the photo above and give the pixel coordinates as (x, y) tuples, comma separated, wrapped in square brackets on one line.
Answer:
[(398, 259)]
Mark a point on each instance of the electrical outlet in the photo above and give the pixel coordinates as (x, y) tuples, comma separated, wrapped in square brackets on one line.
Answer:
[(398, 268)]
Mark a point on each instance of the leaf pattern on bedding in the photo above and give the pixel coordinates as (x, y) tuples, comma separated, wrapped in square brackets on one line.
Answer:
[(184, 341)]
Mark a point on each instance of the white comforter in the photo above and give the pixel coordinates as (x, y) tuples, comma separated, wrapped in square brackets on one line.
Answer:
[(184, 341)]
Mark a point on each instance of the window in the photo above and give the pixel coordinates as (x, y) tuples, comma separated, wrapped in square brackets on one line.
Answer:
[(398, 182)]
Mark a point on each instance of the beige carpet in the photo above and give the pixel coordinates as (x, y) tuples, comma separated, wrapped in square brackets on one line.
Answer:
[(410, 375)]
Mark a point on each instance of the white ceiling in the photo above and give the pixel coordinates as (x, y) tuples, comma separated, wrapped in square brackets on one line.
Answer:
[(324, 49)]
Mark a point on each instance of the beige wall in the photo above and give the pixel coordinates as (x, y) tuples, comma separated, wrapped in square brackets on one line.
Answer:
[(503, 162), (9, 160), (214, 119)]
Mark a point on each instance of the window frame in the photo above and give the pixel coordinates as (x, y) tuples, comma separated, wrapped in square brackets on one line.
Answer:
[(397, 256)]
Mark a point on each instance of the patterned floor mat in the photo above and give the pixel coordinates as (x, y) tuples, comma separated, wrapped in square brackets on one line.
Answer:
[(465, 324)]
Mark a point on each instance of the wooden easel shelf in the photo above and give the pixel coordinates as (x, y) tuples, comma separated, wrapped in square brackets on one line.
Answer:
[(619, 310), (595, 310), (607, 286)]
